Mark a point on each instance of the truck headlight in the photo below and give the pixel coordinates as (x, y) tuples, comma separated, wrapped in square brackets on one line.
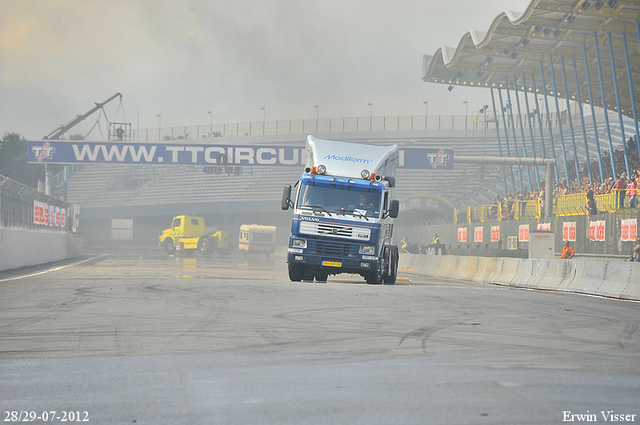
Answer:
[(299, 243), (367, 249)]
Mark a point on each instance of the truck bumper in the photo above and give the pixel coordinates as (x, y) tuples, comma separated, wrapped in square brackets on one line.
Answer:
[(333, 264)]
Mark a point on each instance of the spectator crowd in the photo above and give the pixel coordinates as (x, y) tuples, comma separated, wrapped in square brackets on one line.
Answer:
[(625, 186)]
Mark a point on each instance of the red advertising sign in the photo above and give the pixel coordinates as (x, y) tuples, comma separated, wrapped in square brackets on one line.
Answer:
[(597, 230), (462, 234), (629, 229), (495, 233), (523, 233), (544, 227), (49, 215), (569, 231), (478, 234)]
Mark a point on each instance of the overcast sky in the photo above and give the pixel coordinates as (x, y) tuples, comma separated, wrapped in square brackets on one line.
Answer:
[(181, 59)]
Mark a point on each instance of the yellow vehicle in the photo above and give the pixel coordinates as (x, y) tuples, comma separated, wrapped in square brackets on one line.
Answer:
[(255, 238), (190, 234)]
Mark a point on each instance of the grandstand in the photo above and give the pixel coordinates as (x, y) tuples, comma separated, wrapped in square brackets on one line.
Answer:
[(152, 194), (119, 186), (579, 56)]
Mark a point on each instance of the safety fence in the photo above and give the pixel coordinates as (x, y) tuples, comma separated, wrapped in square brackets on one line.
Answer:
[(567, 205), (24, 208), (475, 124)]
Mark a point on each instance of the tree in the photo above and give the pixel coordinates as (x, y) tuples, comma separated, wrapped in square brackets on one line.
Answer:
[(13, 152)]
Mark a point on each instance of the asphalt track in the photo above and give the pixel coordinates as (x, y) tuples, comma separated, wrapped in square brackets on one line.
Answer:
[(139, 337)]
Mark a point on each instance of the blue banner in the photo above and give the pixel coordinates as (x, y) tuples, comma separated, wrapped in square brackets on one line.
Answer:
[(81, 152), (426, 159)]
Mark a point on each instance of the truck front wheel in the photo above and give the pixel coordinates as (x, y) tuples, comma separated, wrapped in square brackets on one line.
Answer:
[(321, 276), (392, 264), (296, 272), (169, 246), (374, 278)]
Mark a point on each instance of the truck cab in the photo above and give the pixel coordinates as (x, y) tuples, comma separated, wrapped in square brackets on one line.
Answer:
[(189, 234), (343, 213)]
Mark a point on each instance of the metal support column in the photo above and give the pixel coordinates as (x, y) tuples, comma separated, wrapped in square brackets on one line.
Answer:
[(636, 123), (530, 123), (555, 97), (524, 140), (538, 115), (604, 103), (513, 127), (546, 102), (631, 93), (573, 134), (593, 111), (506, 136), (584, 127), (615, 87), (495, 114)]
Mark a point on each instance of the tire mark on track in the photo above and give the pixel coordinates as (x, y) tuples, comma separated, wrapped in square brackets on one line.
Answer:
[(63, 308), (218, 307), (629, 334)]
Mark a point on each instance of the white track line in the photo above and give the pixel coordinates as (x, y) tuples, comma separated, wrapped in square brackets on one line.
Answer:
[(50, 270)]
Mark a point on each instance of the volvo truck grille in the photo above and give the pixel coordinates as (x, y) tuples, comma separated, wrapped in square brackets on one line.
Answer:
[(332, 248), (336, 231)]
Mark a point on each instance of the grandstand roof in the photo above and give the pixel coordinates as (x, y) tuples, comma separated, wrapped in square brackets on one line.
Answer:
[(550, 30)]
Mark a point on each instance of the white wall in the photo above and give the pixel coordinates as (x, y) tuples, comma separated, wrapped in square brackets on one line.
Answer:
[(20, 248), (607, 278)]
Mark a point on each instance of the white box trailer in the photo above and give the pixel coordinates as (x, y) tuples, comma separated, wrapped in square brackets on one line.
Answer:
[(257, 239)]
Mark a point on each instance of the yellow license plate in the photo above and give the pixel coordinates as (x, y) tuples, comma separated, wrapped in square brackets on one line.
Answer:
[(332, 263)]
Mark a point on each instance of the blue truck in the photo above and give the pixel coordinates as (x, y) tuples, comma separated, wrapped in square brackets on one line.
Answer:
[(343, 211)]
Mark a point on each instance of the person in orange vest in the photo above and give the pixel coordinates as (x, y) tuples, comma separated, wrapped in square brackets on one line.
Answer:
[(567, 251)]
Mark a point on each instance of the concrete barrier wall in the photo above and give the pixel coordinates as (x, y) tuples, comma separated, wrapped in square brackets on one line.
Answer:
[(20, 248), (608, 278)]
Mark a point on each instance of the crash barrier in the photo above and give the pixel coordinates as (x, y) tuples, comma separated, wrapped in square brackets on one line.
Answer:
[(21, 248), (607, 278)]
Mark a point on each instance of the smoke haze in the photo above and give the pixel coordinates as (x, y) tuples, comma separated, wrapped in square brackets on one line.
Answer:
[(232, 57)]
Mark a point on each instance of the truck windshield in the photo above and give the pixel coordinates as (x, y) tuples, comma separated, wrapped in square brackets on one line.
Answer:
[(339, 200)]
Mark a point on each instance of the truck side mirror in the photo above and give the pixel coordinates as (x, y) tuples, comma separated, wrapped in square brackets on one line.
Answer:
[(394, 208), (391, 180), (286, 197)]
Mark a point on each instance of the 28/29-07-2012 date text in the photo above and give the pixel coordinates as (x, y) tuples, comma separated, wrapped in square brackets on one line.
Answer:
[(46, 416)]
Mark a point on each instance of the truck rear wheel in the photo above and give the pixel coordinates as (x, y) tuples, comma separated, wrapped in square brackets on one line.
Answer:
[(169, 246), (206, 246), (296, 272)]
